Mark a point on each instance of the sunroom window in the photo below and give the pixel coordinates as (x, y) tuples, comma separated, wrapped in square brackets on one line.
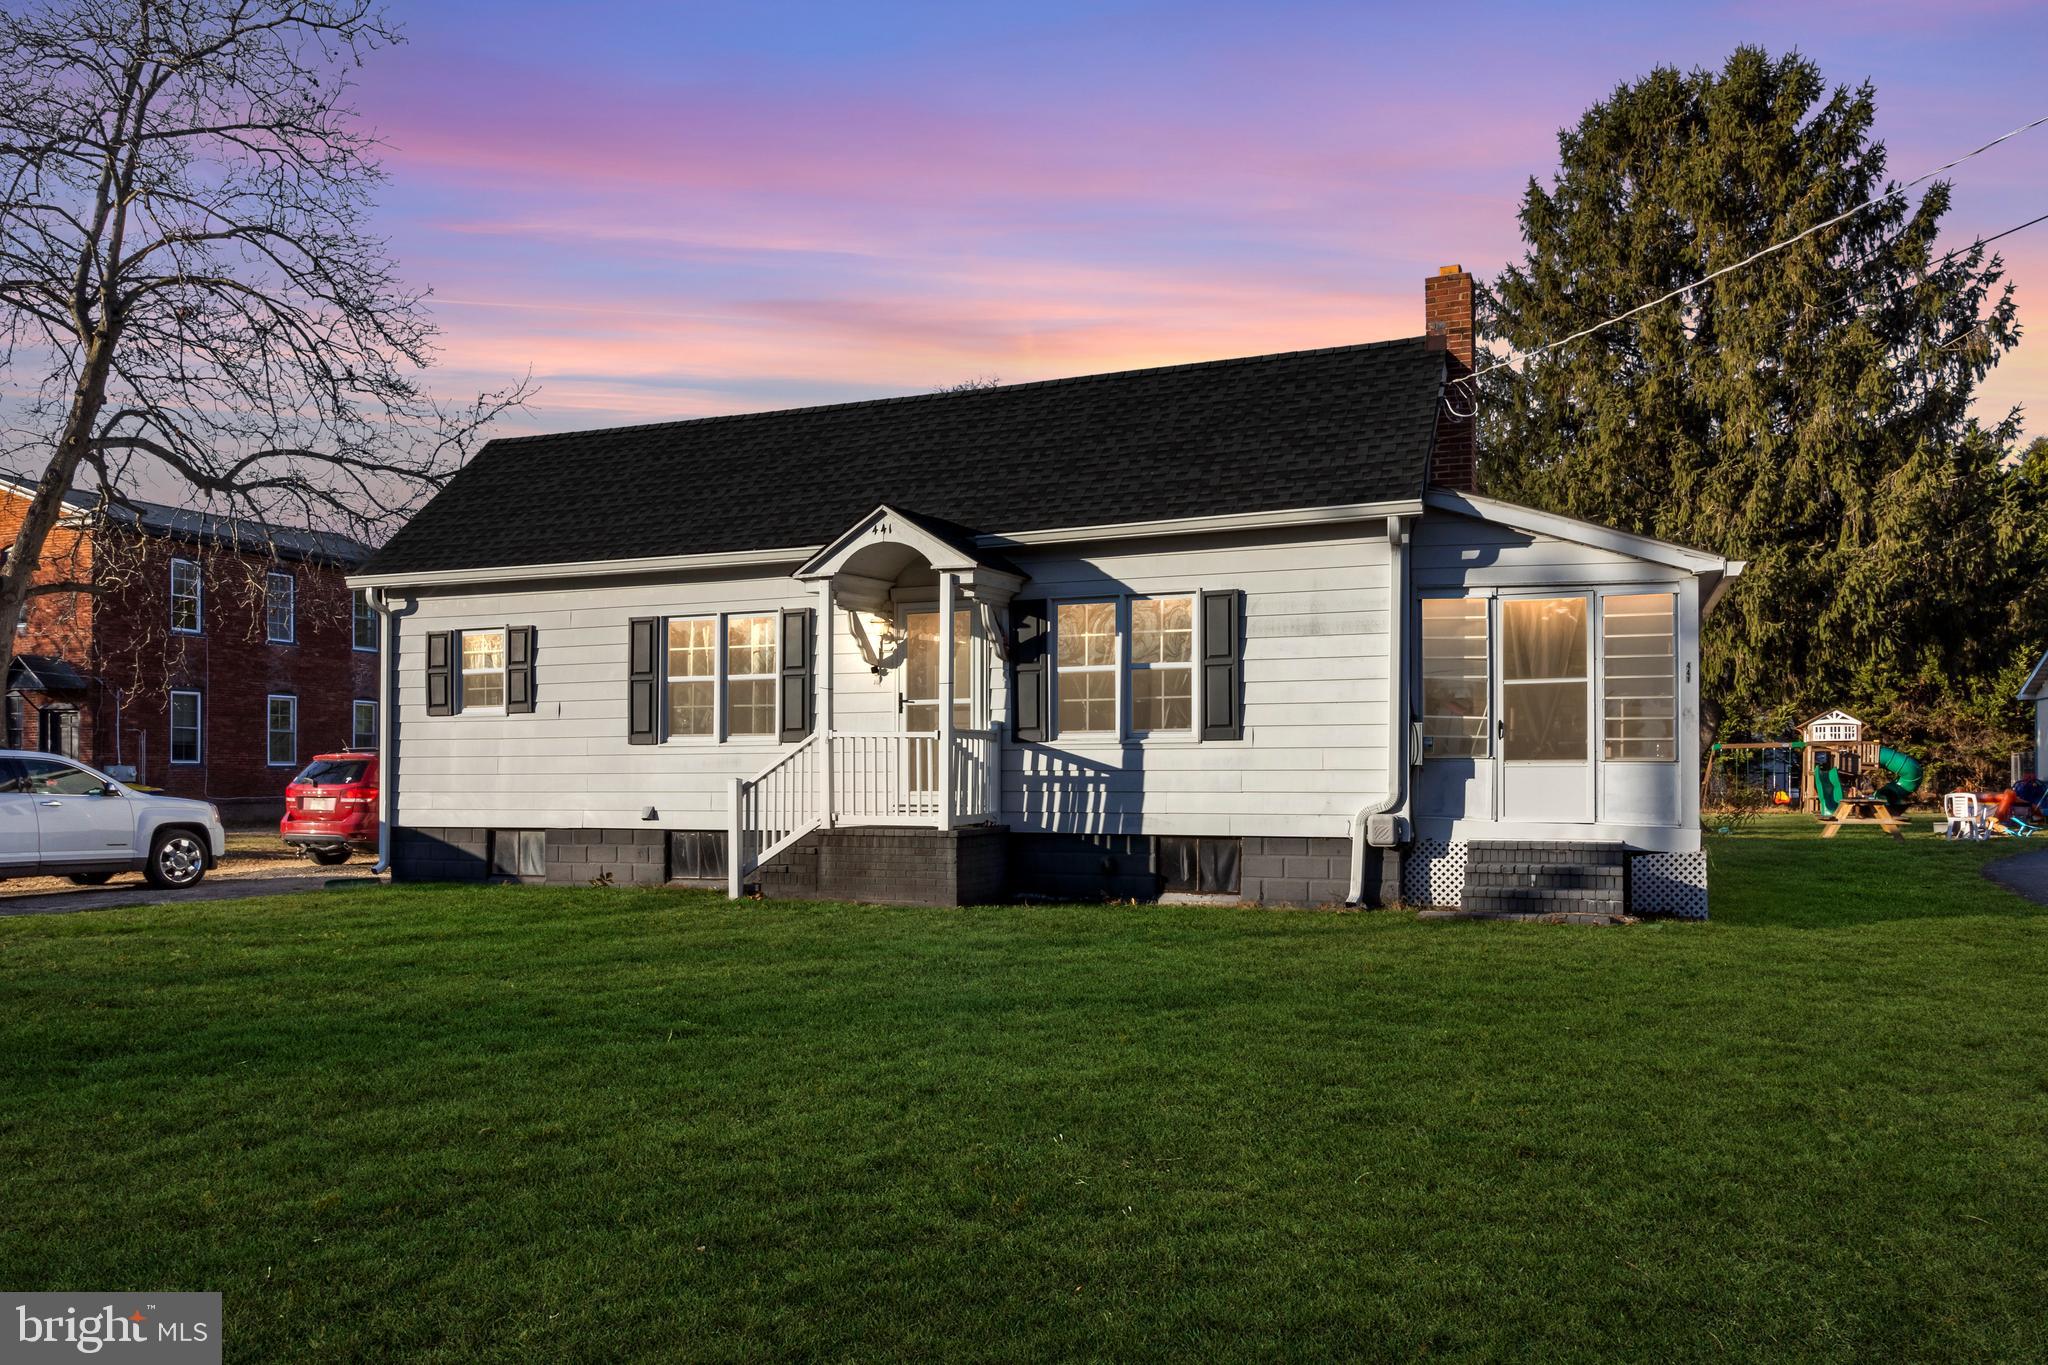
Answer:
[(1638, 660), (1454, 679)]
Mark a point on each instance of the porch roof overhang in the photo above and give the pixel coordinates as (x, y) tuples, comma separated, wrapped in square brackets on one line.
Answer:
[(43, 673), (864, 561)]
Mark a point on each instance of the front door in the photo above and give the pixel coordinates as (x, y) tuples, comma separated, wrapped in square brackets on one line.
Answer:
[(1545, 708), (920, 697)]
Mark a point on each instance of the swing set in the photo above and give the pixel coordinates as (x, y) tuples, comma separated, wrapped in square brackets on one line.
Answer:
[(1832, 775)]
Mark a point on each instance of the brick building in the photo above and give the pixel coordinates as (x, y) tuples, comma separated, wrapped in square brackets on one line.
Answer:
[(213, 659)]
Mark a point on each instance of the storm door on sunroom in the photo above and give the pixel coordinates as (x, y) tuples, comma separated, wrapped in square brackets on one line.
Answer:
[(1545, 705)]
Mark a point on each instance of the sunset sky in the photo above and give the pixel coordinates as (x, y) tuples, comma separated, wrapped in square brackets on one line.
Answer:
[(675, 210)]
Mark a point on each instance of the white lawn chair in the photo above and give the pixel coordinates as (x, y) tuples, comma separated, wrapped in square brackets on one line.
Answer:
[(1967, 818)]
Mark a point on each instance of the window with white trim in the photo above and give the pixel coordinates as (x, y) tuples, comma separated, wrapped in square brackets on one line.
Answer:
[(280, 594), (363, 725), (362, 622), (1162, 664), (1085, 667), (1639, 672), (1454, 678), (750, 674), (188, 604), (188, 711), (693, 677), (282, 746), (483, 670)]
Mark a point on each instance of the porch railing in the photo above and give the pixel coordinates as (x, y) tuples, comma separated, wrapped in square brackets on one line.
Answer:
[(860, 779)]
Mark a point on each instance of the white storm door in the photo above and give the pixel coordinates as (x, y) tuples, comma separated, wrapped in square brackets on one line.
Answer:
[(920, 697), (1545, 706)]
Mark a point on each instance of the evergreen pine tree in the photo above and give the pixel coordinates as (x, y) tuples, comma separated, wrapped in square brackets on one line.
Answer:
[(1809, 413)]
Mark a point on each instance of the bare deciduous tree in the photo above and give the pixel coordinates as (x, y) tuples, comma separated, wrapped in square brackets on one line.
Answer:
[(190, 291)]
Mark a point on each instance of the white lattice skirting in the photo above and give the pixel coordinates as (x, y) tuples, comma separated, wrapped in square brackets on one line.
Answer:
[(1669, 884), (1433, 873)]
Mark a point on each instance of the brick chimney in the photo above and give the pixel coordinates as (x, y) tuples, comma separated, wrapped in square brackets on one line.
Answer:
[(1447, 314)]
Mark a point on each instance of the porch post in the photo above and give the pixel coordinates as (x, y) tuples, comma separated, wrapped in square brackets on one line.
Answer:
[(949, 589), (821, 648)]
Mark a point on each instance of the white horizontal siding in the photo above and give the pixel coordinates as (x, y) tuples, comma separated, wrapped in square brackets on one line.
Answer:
[(1315, 678), (1451, 551), (1315, 697)]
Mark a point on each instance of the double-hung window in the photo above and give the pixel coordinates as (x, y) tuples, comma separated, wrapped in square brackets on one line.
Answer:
[(1085, 651), (187, 598), (280, 624), (693, 677), (722, 676), (362, 622), (187, 710), (483, 670), (282, 748), (1638, 664), (1162, 664), (363, 725), (750, 674)]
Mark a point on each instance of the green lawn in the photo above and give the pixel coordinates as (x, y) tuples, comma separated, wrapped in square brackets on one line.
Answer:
[(523, 1124)]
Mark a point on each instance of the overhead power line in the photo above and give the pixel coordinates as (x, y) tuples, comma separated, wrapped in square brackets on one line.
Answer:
[(1775, 247)]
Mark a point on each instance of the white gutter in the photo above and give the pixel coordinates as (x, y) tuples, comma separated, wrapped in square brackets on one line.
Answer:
[(587, 568), (1397, 706), (386, 661), (800, 555), (1188, 526)]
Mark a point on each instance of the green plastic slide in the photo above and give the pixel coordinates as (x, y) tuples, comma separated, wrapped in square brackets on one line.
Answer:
[(1905, 771)]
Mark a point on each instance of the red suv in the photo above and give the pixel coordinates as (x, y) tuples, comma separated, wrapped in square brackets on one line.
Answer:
[(331, 807)]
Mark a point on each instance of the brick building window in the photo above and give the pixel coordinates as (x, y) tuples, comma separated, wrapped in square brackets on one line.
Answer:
[(283, 744), (363, 727), (280, 623), (187, 708), (362, 621), (187, 598)]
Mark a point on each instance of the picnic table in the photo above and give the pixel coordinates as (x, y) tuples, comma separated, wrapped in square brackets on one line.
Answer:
[(1863, 810)]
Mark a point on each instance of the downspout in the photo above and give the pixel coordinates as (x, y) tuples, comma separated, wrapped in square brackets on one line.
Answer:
[(1397, 706), (381, 604)]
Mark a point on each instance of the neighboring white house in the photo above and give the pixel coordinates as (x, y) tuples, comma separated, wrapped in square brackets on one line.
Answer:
[(1832, 727), (1236, 629), (2036, 691)]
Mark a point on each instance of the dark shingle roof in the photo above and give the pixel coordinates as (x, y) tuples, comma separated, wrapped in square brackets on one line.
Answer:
[(1303, 429)]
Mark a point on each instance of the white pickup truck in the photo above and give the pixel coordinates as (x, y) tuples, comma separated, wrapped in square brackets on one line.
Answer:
[(61, 818)]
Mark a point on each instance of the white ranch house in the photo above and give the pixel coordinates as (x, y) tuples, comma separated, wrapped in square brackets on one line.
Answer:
[(1236, 629)]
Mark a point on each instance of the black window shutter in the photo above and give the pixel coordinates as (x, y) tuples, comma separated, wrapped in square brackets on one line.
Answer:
[(643, 680), (1030, 671), (795, 656), (1222, 665), (519, 641), (441, 673)]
